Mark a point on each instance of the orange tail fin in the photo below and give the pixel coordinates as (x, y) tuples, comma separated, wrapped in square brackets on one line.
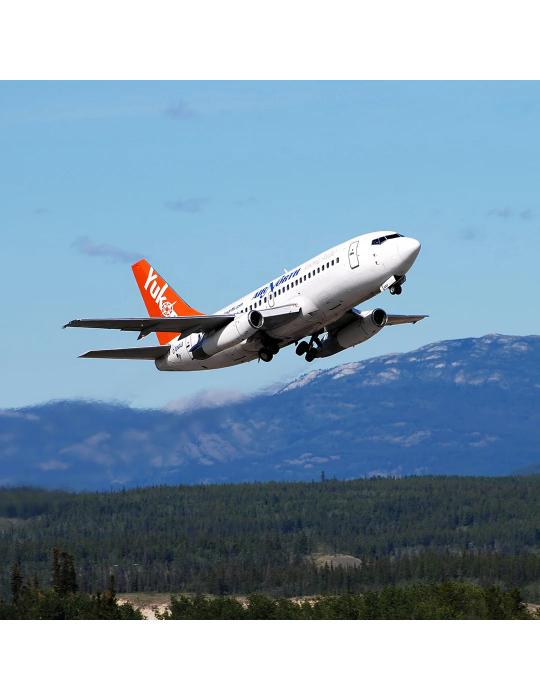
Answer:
[(159, 298)]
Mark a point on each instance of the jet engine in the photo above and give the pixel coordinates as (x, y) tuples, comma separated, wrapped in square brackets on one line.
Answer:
[(240, 328), (364, 327)]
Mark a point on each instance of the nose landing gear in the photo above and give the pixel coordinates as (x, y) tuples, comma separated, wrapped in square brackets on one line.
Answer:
[(393, 284)]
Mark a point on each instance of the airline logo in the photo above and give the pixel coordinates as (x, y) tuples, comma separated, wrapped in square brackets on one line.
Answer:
[(272, 285), (157, 292), (159, 298)]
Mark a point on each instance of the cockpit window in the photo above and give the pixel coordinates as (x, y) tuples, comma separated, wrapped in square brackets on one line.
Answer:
[(382, 239)]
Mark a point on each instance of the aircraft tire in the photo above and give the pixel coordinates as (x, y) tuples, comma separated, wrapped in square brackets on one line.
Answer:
[(265, 355), (302, 348)]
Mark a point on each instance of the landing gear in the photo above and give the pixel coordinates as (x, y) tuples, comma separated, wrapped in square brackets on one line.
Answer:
[(395, 289), (302, 348), (273, 348), (270, 347), (310, 355), (265, 355), (309, 349)]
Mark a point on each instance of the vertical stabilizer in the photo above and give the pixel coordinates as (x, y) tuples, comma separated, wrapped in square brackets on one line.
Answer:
[(159, 298)]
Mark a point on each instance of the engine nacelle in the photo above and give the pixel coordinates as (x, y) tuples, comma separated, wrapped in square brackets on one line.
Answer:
[(240, 328), (368, 324)]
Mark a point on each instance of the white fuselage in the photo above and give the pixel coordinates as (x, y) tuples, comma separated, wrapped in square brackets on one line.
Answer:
[(323, 289)]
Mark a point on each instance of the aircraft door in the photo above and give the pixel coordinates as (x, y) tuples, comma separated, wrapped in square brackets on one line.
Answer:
[(271, 296), (353, 255)]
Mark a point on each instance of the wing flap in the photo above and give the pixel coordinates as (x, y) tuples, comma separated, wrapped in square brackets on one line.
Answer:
[(152, 352), (280, 315)]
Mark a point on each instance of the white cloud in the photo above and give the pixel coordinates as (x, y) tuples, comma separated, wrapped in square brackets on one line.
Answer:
[(12, 413), (53, 465), (211, 398), (92, 449), (112, 253)]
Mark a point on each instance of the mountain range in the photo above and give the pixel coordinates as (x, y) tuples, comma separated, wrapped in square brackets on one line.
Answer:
[(468, 406)]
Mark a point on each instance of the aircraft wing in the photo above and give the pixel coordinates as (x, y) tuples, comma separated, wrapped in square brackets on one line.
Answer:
[(395, 319), (175, 324), (392, 320), (152, 352), (183, 324)]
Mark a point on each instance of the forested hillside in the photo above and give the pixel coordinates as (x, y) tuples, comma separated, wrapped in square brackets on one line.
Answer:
[(271, 538)]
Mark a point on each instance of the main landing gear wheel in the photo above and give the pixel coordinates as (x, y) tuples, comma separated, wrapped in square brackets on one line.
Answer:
[(302, 348), (396, 289), (310, 355), (309, 349), (265, 355)]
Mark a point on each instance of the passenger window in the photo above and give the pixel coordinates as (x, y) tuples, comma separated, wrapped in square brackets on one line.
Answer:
[(309, 274), (337, 261), (265, 300), (332, 262)]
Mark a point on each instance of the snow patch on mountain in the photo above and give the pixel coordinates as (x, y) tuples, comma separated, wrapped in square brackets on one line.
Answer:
[(302, 381)]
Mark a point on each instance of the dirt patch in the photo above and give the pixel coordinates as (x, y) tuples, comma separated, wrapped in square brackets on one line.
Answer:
[(346, 561), (147, 603)]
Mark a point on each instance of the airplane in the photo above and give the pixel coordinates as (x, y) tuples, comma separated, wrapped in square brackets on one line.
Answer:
[(316, 300)]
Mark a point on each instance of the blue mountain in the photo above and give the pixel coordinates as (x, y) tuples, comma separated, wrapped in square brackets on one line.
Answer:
[(469, 406)]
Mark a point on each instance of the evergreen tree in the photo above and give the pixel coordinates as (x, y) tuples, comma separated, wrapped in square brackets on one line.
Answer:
[(56, 571), (16, 582)]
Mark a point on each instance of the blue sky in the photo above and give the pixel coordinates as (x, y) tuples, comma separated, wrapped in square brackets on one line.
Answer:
[(222, 185)]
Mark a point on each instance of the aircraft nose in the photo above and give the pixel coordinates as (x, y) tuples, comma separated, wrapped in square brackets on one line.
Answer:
[(408, 249)]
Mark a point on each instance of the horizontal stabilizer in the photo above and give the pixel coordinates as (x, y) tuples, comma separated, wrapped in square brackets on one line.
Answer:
[(143, 353)]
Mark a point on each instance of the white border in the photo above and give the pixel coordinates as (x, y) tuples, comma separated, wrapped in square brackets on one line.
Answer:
[(269, 660), (283, 39)]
